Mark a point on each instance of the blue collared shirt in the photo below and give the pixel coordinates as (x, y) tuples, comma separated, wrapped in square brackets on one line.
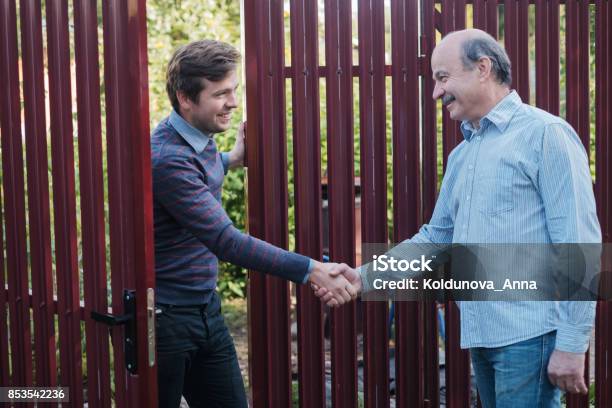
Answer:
[(194, 137), (521, 177)]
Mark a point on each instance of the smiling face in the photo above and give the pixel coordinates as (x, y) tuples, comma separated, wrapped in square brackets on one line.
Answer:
[(211, 112), (461, 90)]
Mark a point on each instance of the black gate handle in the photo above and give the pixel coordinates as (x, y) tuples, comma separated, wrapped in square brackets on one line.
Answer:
[(128, 319)]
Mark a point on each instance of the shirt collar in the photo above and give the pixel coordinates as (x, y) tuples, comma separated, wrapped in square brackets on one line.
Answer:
[(195, 138), (500, 115)]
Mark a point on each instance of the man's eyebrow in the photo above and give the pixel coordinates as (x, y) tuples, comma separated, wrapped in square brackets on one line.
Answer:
[(228, 89), (440, 73)]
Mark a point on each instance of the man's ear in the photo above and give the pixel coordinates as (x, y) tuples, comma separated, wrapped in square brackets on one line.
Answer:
[(484, 68)]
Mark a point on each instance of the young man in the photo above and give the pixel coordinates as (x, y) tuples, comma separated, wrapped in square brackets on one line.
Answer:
[(196, 354), (520, 176)]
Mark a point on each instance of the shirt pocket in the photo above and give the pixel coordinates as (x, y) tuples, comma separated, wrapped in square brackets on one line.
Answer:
[(496, 192)]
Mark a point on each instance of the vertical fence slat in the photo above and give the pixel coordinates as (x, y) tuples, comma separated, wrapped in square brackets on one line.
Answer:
[(479, 14), (4, 349), (130, 188), (38, 192), (603, 141), (492, 18), (603, 334), (339, 91), (138, 218), (547, 55), (64, 199), (577, 106), (430, 169), (516, 39), (406, 190), (510, 38), (452, 19), (453, 355), (485, 16), (269, 296), (553, 57), (92, 206), (373, 163), (523, 49), (426, 310), (14, 199), (457, 361), (457, 364), (307, 176), (577, 68), (457, 367), (119, 195)]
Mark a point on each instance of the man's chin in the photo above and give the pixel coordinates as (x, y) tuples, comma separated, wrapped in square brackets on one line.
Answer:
[(454, 115), (222, 127)]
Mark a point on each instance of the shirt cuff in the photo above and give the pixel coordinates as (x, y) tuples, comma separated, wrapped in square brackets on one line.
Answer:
[(365, 284), (225, 161), (310, 266), (572, 340)]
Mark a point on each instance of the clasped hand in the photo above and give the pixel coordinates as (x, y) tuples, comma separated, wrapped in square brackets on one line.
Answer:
[(335, 284)]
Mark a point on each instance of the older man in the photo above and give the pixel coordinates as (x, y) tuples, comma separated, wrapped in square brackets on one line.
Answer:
[(520, 176)]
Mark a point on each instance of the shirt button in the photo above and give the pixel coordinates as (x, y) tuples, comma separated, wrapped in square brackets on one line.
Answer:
[(468, 198), (470, 167), (478, 138)]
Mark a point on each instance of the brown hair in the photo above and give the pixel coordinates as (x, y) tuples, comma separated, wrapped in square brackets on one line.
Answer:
[(190, 63)]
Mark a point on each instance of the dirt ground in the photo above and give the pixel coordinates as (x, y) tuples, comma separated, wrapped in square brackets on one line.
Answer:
[(235, 313)]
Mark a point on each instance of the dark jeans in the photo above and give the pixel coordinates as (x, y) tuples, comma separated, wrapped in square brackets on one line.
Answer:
[(197, 358)]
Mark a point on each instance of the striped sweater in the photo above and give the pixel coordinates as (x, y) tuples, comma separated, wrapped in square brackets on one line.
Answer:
[(192, 230)]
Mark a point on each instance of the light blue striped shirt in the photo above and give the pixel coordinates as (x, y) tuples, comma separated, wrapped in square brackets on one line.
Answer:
[(521, 177)]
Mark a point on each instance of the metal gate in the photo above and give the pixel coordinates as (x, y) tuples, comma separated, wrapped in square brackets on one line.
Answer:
[(414, 27), (55, 289)]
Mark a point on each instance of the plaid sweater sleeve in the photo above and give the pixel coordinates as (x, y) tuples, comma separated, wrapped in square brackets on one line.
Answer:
[(181, 189)]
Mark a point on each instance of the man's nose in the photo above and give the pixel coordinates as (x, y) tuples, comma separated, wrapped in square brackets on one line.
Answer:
[(437, 92), (232, 101)]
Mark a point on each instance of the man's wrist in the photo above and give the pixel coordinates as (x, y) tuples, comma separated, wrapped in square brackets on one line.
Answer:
[(308, 272), (233, 160), (365, 284)]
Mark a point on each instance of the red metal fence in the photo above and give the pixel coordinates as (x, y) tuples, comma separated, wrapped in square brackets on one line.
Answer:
[(563, 30), (42, 287), (41, 301)]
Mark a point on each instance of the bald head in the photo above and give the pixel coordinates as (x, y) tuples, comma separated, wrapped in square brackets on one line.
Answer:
[(471, 45), (471, 73)]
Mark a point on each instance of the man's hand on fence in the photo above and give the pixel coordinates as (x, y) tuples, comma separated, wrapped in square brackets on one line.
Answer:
[(236, 155), (351, 275), (566, 371), (331, 278)]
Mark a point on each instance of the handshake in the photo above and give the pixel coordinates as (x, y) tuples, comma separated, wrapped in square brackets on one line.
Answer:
[(335, 284)]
